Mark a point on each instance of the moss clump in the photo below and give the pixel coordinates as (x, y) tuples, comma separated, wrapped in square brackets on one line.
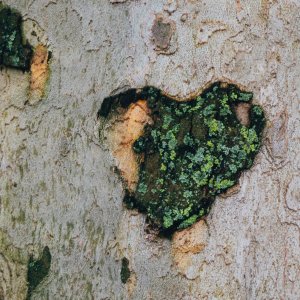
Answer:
[(194, 151), (125, 272), (13, 52), (38, 270)]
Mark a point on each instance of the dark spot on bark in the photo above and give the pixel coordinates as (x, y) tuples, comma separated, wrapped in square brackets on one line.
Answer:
[(183, 17), (38, 270), (125, 271), (13, 51), (162, 31)]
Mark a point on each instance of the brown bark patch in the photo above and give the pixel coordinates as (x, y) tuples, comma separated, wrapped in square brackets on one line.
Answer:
[(242, 113), (125, 130), (39, 73), (187, 243), (163, 34)]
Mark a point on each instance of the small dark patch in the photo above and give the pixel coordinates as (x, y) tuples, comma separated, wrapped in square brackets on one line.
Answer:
[(49, 55), (123, 99), (193, 151), (125, 271), (162, 31), (13, 51), (38, 270)]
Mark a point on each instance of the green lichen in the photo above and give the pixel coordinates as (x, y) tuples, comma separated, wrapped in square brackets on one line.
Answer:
[(125, 271), (38, 270), (13, 51), (193, 151)]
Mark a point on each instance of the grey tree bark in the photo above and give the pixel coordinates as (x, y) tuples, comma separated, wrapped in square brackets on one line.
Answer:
[(58, 184)]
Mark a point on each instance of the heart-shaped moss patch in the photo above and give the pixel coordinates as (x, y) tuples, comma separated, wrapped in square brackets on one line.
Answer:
[(191, 152)]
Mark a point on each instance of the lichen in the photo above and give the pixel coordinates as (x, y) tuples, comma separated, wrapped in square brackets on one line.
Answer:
[(193, 151), (13, 51), (125, 271), (38, 270)]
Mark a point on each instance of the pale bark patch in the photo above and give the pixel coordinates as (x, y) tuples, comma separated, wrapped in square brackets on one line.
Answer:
[(187, 243), (125, 130)]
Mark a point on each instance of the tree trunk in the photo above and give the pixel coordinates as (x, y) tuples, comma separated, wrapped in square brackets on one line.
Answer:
[(59, 188)]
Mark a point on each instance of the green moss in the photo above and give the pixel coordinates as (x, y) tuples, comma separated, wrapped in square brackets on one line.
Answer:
[(13, 51), (193, 151), (125, 271), (38, 270)]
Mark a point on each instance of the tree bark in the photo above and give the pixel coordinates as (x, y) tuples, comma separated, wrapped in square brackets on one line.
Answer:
[(59, 188)]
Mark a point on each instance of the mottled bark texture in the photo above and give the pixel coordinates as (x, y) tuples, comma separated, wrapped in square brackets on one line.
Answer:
[(59, 188)]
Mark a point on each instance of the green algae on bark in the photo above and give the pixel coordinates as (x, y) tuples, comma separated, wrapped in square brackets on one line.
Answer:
[(38, 270), (125, 271), (193, 151), (13, 51)]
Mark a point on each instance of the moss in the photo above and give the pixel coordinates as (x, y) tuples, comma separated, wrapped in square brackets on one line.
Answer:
[(125, 272), (13, 51), (38, 270), (193, 151)]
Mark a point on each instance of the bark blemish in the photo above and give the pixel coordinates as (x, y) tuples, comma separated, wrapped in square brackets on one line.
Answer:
[(131, 283), (38, 270), (39, 73), (125, 271), (124, 131), (128, 276), (188, 242), (242, 113), (163, 31), (14, 52)]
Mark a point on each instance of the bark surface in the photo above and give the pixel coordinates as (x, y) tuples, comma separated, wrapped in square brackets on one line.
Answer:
[(59, 188)]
